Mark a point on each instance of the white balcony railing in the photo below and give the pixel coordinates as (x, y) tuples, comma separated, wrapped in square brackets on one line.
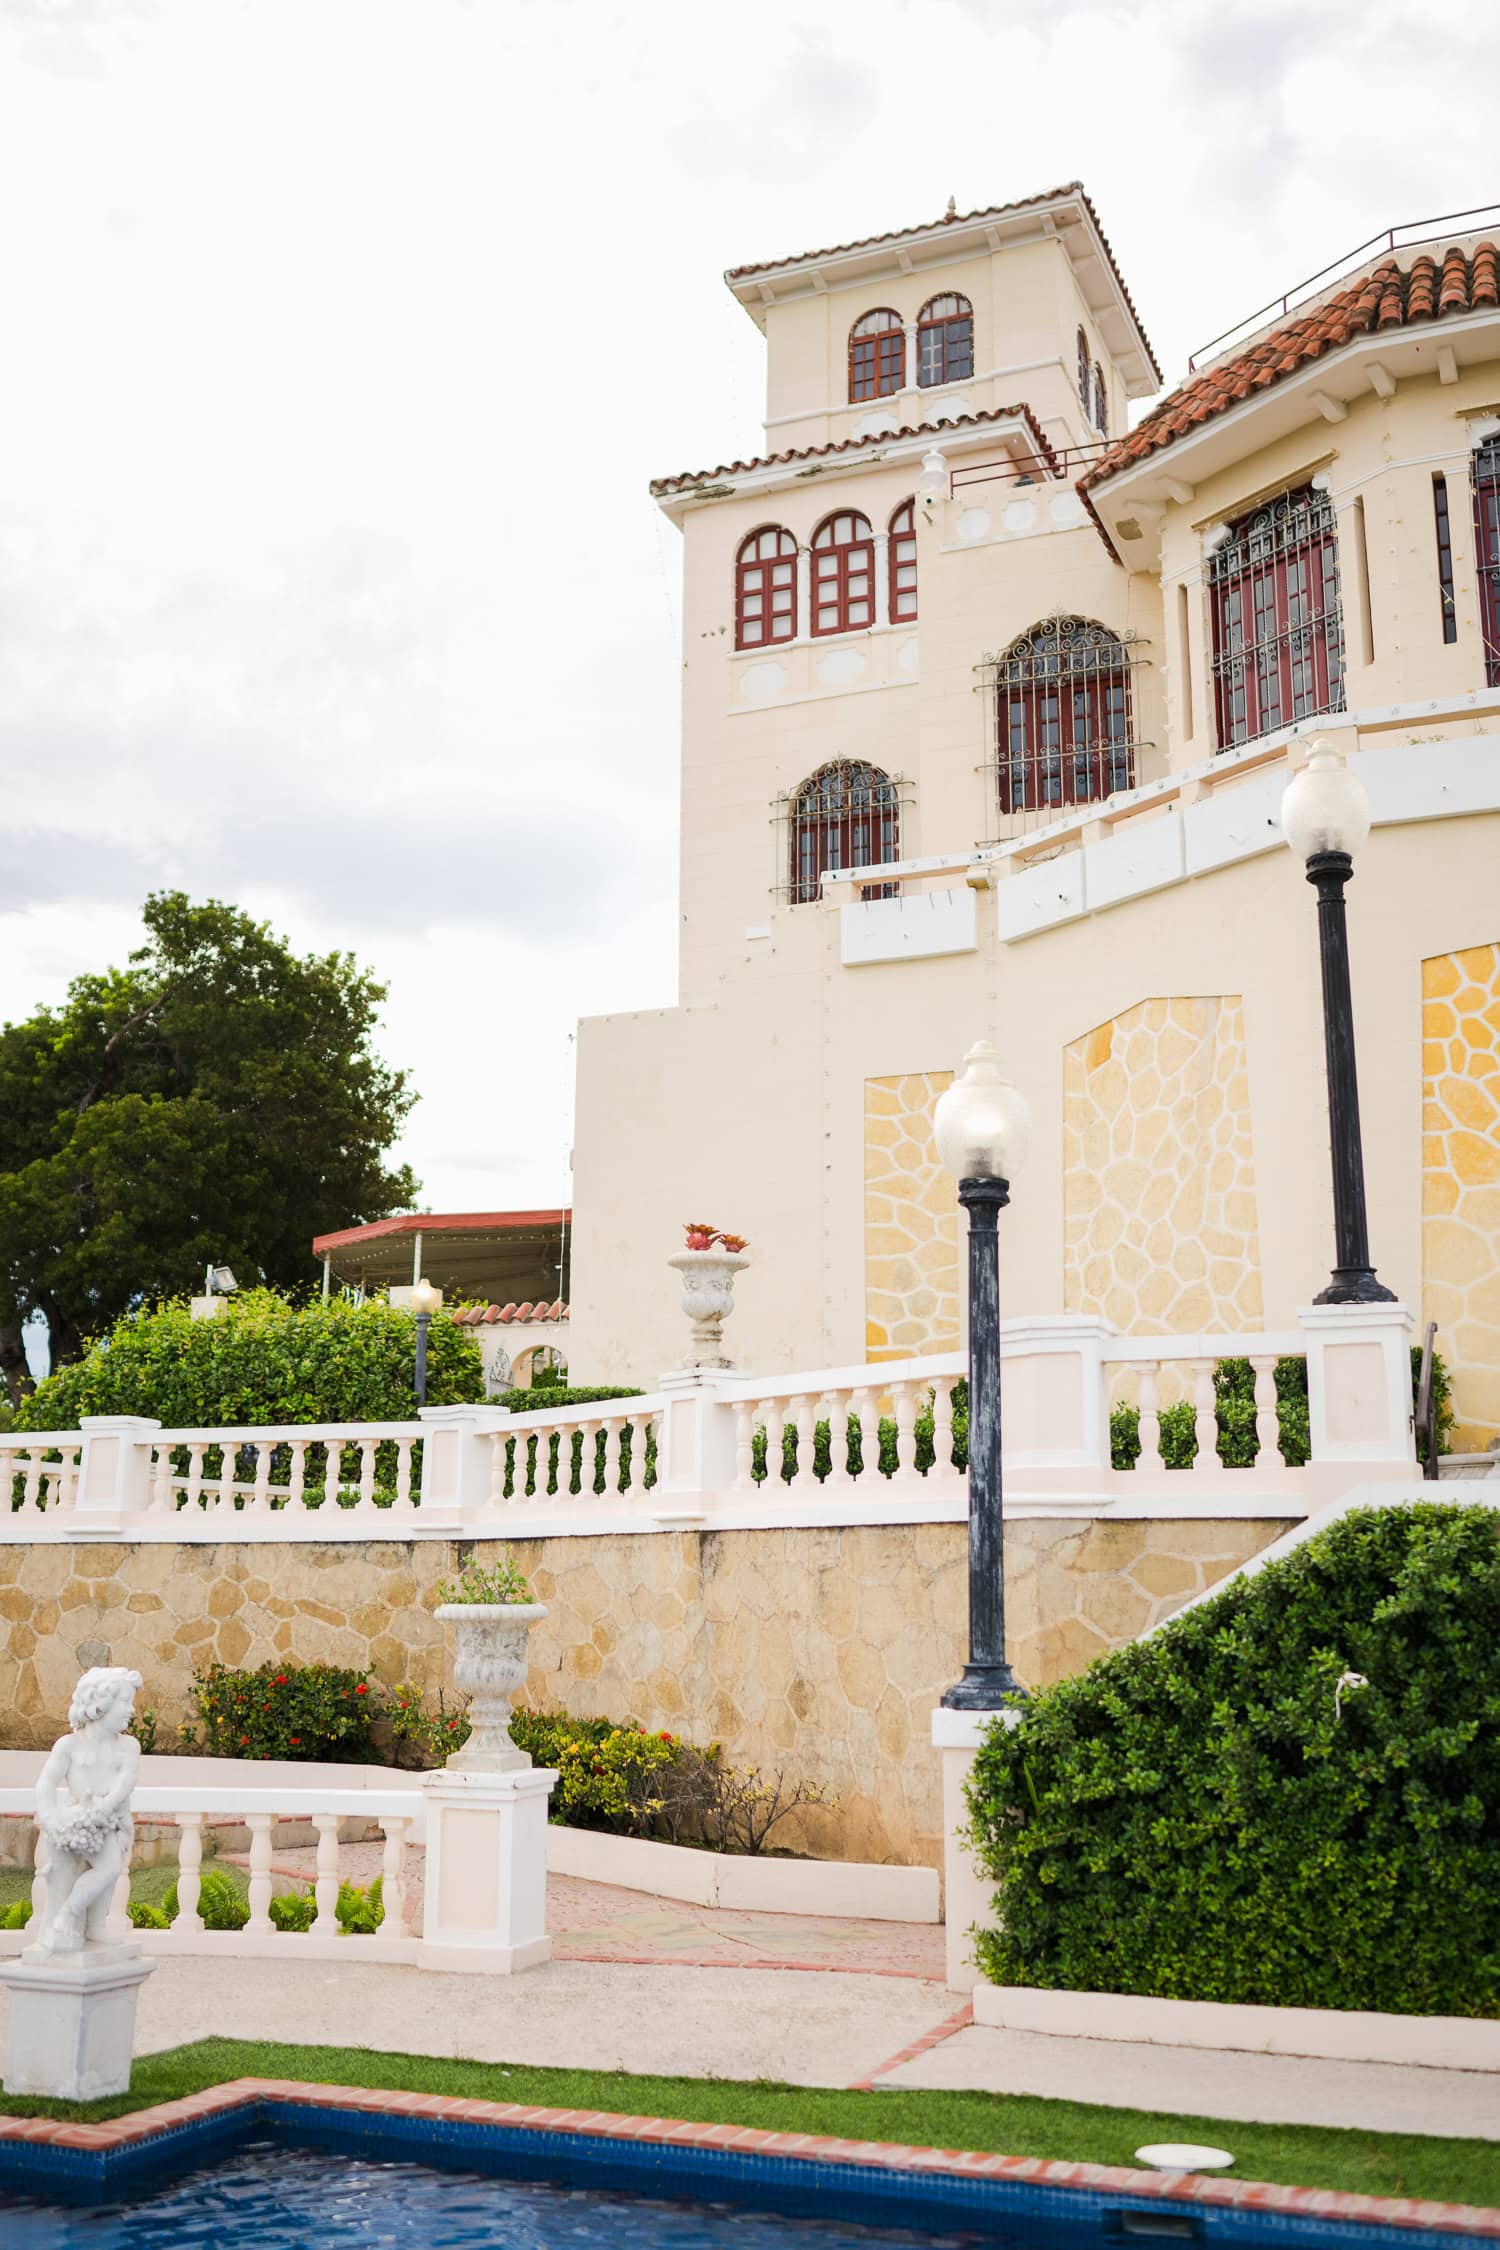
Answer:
[(854, 1444)]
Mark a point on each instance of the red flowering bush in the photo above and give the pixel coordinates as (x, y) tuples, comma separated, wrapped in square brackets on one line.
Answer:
[(314, 1711)]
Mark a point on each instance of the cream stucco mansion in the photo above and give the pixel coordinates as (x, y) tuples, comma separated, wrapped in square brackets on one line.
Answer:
[(989, 703)]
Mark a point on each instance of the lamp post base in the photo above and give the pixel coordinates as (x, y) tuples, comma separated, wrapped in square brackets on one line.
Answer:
[(1355, 1285), (983, 1687)]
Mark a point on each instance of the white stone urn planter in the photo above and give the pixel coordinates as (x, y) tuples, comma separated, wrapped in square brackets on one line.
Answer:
[(489, 1664), (708, 1300)]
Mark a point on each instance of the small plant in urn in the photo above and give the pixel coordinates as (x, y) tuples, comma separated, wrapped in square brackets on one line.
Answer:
[(708, 1263), (491, 1610)]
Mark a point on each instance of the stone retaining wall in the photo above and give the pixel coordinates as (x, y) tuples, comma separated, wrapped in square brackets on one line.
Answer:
[(822, 1651)]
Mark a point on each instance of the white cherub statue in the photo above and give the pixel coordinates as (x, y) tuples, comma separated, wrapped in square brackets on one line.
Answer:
[(83, 1810)]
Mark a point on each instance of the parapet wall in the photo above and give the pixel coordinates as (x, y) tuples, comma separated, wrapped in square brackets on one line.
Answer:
[(822, 1651)]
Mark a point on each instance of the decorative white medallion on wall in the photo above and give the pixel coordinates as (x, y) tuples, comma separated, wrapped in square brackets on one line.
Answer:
[(909, 657), (948, 408), (841, 668), (974, 523), (762, 683), (1020, 515), (1067, 510), (875, 425)]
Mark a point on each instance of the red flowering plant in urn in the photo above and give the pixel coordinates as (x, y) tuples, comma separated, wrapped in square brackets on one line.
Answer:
[(708, 1263)]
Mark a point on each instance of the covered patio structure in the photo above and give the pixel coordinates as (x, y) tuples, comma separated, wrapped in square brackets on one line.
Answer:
[(475, 1257)]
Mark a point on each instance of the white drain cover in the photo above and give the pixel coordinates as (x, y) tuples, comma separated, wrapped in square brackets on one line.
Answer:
[(1183, 2156)]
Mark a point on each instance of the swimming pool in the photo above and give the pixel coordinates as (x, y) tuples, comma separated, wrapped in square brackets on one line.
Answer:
[(267, 2167)]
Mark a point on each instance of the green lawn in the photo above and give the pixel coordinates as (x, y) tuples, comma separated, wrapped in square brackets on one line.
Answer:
[(1455, 2171)]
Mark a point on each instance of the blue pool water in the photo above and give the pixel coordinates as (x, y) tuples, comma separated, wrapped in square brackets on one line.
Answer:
[(270, 2197)]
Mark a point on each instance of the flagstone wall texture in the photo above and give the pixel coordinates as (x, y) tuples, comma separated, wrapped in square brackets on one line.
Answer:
[(911, 1221), (823, 1651), (1461, 1180), (1160, 1230)]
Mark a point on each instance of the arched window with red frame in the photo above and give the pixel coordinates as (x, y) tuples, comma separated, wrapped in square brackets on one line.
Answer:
[(1101, 402), (1485, 477), (945, 341), (847, 815), (1084, 366), (1063, 714), (843, 574), (901, 563), (765, 588), (877, 355), (1278, 617)]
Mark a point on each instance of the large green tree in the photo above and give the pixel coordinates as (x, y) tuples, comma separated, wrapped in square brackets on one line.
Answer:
[(217, 1099)]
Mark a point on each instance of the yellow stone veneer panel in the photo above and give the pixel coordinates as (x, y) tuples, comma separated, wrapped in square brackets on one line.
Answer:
[(1461, 1180), (1160, 1227), (911, 1221)]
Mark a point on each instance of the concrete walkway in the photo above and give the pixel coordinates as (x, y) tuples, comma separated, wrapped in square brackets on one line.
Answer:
[(812, 2027)]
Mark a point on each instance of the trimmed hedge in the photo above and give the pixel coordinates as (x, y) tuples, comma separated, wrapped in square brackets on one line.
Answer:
[(262, 1360), (1204, 1816)]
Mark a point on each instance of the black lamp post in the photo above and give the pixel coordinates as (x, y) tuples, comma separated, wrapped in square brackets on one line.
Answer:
[(1325, 814), (425, 1300), (980, 1125)]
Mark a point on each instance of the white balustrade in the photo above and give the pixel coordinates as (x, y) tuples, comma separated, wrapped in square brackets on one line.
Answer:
[(40, 1474)]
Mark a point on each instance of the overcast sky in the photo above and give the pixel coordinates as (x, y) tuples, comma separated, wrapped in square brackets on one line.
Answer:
[(341, 338)]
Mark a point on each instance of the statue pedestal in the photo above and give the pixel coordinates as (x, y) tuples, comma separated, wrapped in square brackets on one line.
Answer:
[(72, 2021), (486, 1890)]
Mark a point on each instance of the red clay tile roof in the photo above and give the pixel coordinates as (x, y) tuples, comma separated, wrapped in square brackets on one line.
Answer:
[(1388, 297), (962, 218), (689, 477), (485, 1316)]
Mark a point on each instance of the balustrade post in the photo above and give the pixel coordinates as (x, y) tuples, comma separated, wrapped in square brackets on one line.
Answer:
[(805, 1422), (1149, 1460), (744, 1445), (836, 1407), (326, 1884), (260, 1825), (114, 1472), (862, 1407), (459, 1466), (696, 1439), (1206, 1461), (904, 1400), (189, 1864), (393, 1878), (1267, 1422), (260, 1499), (1359, 1387), (942, 1470)]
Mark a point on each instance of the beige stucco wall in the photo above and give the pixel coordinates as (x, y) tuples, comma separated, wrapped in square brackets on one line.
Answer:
[(820, 1651)]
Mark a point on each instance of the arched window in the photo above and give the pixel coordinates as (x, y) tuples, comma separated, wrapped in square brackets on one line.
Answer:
[(1084, 364), (1064, 716), (1101, 402), (765, 588), (843, 574), (844, 816), (945, 341), (1278, 619), (877, 355), (901, 563)]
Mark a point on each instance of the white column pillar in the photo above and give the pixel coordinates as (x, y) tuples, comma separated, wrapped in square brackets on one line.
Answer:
[(458, 1458), (1359, 1395), (912, 367), (968, 1894), (114, 1472), (485, 1904)]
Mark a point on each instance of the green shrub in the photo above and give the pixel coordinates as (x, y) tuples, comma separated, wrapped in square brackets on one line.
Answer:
[(534, 1466), (492, 1585), (147, 1917), (296, 1911), (16, 1916), (1234, 1412), (360, 1912), (557, 1394), (221, 1902), (307, 1711), (1206, 1815), (262, 1360), (605, 1773), (430, 1737)]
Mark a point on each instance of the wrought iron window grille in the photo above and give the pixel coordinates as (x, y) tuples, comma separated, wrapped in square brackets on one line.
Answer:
[(1485, 477), (842, 819), (1062, 717), (1278, 617)]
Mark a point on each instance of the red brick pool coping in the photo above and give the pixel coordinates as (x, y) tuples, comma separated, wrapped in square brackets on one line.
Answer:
[(1167, 2187)]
